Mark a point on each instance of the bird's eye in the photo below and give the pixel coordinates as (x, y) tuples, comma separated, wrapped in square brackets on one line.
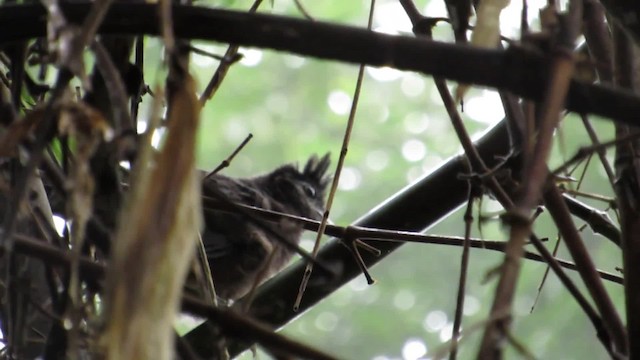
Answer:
[(309, 190)]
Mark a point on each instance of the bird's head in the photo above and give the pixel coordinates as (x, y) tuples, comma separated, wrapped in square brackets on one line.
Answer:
[(303, 192)]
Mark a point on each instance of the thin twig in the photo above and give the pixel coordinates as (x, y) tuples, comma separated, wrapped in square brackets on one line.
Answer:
[(302, 10), (205, 270), (115, 87), (365, 234), (243, 210), (205, 53), (229, 58), (602, 154), (137, 96), (545, 275), (336, 178), (587, 150), (236, 325), (462, 282), (225, 163), (587, 270)]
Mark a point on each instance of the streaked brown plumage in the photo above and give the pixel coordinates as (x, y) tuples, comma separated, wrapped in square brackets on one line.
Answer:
[(237, 248)]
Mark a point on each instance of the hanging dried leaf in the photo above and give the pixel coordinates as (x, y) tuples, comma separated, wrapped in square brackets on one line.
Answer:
[(89, 128), (64, 42), (156, 241), (486, 32), (75, 119), (18, 132)]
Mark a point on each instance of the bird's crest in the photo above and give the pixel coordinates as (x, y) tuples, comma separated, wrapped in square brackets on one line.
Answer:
[(315, 171)]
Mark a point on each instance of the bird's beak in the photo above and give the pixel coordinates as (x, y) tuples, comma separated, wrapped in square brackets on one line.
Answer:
[(320, 213)]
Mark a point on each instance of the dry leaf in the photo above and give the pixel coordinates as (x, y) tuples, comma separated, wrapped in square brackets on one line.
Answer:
[(155, 242), (486, 33)]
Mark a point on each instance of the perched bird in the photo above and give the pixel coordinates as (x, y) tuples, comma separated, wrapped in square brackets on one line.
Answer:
[(237, 247)]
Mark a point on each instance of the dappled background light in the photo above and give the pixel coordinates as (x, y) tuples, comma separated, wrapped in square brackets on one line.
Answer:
[(339, 102), (250, 57), (435, 321), (412, 85), (413, 150), (414, 349), (60, 224), (349, 179), (485, 107), (404, 299), (326, 321), (383, 74)]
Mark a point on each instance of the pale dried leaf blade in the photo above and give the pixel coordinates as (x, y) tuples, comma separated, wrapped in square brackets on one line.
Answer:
[(156, 242), (64, 41), (486, 32), (88, 128)]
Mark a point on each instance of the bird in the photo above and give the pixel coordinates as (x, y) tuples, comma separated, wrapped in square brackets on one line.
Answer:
[(239, 249)]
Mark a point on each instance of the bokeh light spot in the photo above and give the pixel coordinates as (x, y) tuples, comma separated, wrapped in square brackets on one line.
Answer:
[(278, 103), (294, 61), (413, 349), (445, 333), (413, 150), (384, 74), (60, 224), (326, 321), (235, 130), (471, 305), (416, 122), (435, 321), (349, 179), (485, 108), (157, 137), (204, 61), (377, 160), (414, 173), (358, 284), (412, 85), (404, 299), (339, 102), (251, 57), (391, 16)]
